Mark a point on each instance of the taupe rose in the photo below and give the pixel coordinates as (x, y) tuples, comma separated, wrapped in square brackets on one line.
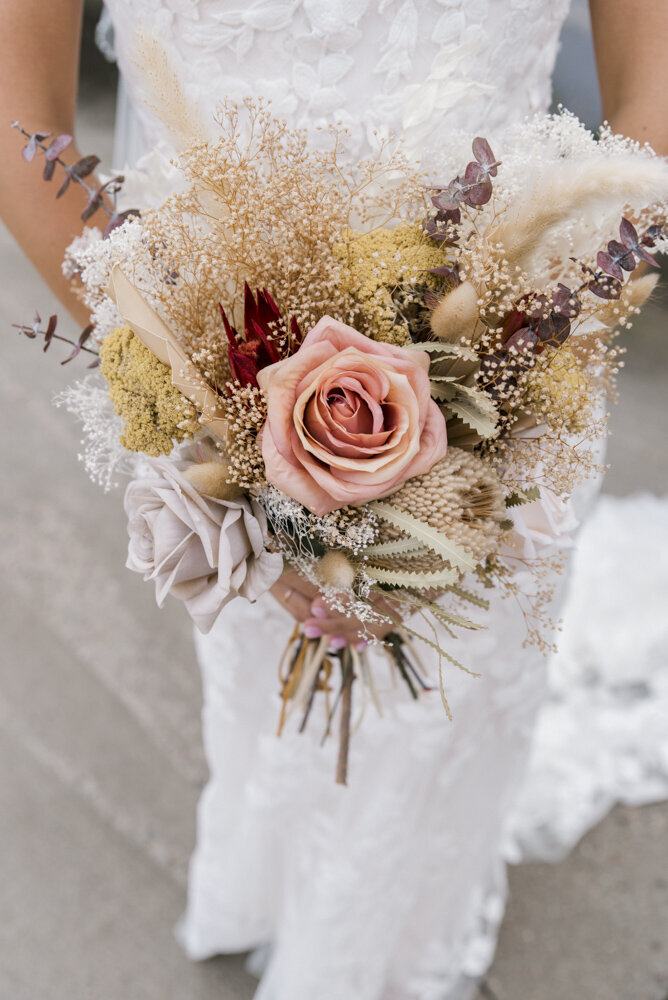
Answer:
[(201, 550)]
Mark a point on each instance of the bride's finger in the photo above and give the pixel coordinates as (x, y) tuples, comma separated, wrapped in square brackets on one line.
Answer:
[(320, 608), (294, 580), (338, 625), (294, 601)]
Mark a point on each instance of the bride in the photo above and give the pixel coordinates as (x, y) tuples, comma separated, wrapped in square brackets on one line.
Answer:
[(390, 889)]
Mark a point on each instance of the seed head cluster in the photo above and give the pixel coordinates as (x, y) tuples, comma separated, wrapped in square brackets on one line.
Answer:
[(246, 411)]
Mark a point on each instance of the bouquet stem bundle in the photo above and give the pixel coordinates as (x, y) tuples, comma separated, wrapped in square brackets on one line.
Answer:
[(388, 381)]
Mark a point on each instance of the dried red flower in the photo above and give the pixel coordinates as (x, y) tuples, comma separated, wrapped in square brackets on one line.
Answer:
[(260, 346)]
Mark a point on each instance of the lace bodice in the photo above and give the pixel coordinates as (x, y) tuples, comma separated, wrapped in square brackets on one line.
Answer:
[(416, 67)]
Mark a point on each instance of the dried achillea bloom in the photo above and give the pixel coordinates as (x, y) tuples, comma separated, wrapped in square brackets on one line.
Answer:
[(156, 414), (378, 264), (560, 390)]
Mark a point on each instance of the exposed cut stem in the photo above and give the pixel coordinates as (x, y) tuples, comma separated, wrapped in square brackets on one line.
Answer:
[(346, 711)]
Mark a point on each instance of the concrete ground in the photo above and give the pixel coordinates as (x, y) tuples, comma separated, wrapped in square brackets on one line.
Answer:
[(100, 766)]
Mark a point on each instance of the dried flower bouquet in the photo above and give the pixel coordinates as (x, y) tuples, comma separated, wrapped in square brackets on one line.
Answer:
[(364, 372)]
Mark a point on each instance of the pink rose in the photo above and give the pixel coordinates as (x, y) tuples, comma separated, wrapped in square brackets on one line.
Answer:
[(349, 419)]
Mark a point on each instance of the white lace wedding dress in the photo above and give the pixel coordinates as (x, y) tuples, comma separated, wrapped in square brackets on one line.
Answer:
[(393, 887)]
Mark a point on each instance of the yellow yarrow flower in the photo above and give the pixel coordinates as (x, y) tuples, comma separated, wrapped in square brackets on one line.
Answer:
[(376, 263), (156, 414), (563, 387)]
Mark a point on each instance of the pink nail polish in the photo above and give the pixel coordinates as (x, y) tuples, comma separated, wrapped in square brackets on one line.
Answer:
[(317, 611), (312, 631), (337, 642), (362, 644)]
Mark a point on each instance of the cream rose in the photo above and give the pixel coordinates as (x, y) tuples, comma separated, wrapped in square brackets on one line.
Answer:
[(201, 550), (348, 419)]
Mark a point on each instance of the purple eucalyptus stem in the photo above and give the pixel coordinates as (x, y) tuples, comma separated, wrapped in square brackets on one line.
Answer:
[(34, 331), (75, 172)]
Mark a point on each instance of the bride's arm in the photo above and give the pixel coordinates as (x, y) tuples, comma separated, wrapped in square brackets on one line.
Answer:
[(39, 66), (39, 63), (631, 44)]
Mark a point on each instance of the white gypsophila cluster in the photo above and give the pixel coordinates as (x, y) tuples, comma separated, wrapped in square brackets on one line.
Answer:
[(93, 259), (78, 249), (299, 534), (98, 259), (333, 530), (105, 318), (104, 456)]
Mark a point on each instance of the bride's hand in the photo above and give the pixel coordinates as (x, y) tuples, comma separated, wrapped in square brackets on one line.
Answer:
[(295, 594), (307, 605), (344, 630)]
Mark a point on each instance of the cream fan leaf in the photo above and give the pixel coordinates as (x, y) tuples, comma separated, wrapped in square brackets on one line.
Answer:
[(471, 405), (408, 578), (402, 546), (439, 543)]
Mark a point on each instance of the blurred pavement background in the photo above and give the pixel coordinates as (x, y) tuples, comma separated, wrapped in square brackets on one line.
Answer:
[(93, 852)]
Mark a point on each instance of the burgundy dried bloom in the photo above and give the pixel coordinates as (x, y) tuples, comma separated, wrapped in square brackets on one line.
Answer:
[(263, 327)]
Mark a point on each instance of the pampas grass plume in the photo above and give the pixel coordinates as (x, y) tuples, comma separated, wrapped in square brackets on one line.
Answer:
[(165, 95), (590, 195)]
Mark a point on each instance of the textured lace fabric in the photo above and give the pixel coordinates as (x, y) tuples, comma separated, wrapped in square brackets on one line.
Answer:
[(417, 67), (393, 888)]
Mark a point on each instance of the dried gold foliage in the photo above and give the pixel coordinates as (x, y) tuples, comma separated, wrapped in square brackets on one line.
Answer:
[(559, 389), (156, 414), (239, 220)]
